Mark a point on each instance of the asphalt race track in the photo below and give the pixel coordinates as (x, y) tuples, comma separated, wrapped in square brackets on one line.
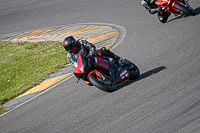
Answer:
[(166, 97)]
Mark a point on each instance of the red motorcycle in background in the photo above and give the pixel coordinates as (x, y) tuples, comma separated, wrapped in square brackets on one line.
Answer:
[(104, 73), (177, 7)]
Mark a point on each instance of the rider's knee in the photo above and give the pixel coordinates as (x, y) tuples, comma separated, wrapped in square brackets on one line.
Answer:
[(104, 50)]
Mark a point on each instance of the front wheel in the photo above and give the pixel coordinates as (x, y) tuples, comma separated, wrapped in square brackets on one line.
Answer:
[(103, 84), (184, 9), (163, 16)]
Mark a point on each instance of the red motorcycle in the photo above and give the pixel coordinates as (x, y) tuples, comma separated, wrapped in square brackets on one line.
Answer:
[(177, 7), (104, 73)]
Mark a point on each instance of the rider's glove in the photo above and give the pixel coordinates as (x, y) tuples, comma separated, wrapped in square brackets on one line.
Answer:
[(92, 51)]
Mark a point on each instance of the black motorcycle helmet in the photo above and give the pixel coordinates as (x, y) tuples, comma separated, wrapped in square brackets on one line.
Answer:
[(69, 44)]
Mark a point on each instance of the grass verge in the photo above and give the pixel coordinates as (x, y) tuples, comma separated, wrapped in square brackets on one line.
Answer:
[(24, 65), (2, 110)]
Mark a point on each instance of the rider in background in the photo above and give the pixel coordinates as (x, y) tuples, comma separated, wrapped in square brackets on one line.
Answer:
[(74, 47), (153, 8)]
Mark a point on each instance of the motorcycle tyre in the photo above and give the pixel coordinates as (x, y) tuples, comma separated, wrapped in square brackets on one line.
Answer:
[(184, 9), (163, 18), (99, 85), (134, 74)]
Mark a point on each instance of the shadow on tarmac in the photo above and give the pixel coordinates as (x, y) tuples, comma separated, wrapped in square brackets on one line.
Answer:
[(142, 76), (197, 11)]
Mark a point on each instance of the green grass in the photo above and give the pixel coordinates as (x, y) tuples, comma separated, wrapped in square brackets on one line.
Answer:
[(24, 65), (2, 110)]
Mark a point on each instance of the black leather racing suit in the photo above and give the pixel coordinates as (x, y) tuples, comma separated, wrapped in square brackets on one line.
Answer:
[(89, 48)]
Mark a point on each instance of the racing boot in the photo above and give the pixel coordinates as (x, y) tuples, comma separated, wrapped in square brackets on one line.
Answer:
[(119, 60), (106, 52)]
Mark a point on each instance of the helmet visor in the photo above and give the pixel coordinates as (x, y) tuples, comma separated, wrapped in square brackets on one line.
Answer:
[(70, 47)]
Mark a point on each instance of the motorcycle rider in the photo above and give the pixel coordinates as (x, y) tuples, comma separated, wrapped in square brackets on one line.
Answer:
[(74, 47), (153, 8)]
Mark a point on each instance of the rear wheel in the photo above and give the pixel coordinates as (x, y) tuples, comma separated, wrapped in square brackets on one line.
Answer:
[(163, 16), (103, 84), (134, 71), (184, 9)]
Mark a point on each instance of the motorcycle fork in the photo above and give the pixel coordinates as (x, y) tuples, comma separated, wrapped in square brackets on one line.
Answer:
[(111, 72), (104, 73)]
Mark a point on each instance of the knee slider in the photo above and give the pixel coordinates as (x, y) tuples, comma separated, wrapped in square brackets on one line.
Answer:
[(104, 50)]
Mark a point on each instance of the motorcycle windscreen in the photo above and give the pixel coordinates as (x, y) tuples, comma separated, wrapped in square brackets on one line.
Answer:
[(78, 66)]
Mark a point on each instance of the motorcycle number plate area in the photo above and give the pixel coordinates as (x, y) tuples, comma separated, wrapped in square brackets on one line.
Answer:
[(123, 77), (124, 72)]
